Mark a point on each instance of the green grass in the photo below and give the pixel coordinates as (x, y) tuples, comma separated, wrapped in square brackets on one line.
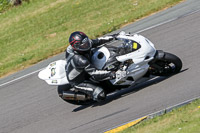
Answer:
[(39, 29), (182, 120)]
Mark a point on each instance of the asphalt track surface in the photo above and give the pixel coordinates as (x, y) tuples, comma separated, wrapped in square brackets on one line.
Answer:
[(29, 105)]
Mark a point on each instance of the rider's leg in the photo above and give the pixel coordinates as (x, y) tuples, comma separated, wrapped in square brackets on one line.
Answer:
[(96, 92), (62, 88)]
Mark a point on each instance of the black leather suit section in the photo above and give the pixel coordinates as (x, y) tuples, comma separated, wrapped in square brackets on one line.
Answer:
[(79, 67)]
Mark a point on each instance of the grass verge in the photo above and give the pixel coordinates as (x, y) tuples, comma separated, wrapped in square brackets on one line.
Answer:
[(182, 120), (38, 29)]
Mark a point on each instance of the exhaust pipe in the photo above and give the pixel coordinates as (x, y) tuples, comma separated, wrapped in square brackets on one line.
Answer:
[(77, 96)]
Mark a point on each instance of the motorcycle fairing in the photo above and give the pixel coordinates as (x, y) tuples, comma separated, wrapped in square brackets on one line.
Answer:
[(139, 57), (54, 73)]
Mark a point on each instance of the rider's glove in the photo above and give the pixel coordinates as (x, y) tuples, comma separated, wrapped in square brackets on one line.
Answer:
[(108, 38), (115, 36), (120, 74), (113, 75)]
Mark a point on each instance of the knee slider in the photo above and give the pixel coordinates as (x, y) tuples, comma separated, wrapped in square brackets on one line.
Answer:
[(99, 94)]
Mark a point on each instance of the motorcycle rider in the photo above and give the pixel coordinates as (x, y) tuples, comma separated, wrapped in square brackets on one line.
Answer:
[(80, 70)]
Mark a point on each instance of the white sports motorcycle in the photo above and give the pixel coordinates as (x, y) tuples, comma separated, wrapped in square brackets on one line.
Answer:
[(134, 60)]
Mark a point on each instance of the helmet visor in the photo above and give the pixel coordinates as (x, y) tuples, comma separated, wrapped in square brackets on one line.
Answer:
[(84, 46)]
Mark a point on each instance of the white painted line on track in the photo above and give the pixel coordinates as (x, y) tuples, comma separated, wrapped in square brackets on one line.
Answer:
[(20, 77), (170, 20), (151, 27)]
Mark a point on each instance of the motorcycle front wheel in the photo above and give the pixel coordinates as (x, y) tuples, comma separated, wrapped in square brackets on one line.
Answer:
[(168, 65)]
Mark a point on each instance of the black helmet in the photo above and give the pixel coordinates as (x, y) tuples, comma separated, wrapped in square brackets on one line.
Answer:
[(80, 41)]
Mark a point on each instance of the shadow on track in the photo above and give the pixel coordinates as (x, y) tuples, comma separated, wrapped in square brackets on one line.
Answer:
[(126, 91)]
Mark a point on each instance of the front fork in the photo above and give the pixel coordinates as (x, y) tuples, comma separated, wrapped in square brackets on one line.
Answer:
[(154, 68)]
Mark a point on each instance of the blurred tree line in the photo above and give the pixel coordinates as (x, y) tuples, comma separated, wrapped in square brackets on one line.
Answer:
[(5, 4)]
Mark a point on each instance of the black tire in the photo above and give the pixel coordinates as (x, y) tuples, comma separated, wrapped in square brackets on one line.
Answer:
[(169, 64), (62, 88), (87, 102), (67, 87)]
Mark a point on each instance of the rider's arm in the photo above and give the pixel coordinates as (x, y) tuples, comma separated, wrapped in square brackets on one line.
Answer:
[(80, 63), (69, 52), (101, 40), (99, 75)]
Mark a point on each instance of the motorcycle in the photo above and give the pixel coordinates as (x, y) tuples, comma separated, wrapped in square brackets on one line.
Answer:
[(134, 60)]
